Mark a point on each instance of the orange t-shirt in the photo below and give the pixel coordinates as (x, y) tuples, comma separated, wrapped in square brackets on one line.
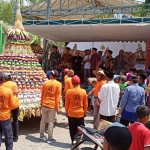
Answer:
[(76, 103), (98, 87), (65, 77), (6, 103), (68, 84), (51, 93), (14, 88)]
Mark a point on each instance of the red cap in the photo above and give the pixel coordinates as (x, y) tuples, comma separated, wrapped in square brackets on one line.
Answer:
[(75, 80), (66, 70)]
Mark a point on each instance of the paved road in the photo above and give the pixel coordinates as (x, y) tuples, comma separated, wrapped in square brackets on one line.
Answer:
[(29, 135)]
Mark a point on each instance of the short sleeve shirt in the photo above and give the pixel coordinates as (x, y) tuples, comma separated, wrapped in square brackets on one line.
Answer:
[(87, 65), (109, 94), (94, 61), (140, 136)]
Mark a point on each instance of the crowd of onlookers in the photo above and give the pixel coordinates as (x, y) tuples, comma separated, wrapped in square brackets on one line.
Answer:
[(84, 66)]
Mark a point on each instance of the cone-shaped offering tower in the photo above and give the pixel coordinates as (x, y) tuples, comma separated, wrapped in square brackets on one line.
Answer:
[(19, 60)]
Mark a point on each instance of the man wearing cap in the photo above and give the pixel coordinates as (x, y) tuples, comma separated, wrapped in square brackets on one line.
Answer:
[(108, 98), (133, 96), (76, 63), (68, 82), (55, 58), (94, 61), (6, 105), (109, 63), (101, 80), (76, 108), (67, 59), (66, 74), (117, 137), (120, 62), (51, 93), (87, 65), (14, 88)]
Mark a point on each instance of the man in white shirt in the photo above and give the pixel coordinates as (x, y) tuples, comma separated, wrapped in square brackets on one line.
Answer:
[(108, 98), (87, 65)]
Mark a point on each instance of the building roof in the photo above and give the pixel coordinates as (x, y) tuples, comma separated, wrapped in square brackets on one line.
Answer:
[(77, 9)]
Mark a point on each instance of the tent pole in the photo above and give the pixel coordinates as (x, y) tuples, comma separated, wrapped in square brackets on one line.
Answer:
[(147, 55)]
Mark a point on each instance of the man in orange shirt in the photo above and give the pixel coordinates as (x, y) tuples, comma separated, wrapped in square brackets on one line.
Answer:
[(101, 80), (51, 93), (66, 74), (68, 82), (13, 86), (76, 108), (6, 105)]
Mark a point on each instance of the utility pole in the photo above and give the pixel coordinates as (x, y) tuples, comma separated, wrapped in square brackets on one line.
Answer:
[(46, 41)]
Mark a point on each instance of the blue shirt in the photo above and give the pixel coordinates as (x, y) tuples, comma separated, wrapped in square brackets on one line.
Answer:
[(133, 96), (89, 88)]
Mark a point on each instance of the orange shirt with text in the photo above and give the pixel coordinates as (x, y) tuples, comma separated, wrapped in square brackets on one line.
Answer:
[(14, 88), (68, 84), (98, 87), (76, 103), (51, 93), (6, 103)]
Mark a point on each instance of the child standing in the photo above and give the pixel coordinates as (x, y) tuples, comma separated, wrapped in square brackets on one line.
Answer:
[(93, 85), (122, 84), (89, 88)]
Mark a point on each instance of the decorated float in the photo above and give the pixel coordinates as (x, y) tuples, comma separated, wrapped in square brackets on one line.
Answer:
[(19, 60)]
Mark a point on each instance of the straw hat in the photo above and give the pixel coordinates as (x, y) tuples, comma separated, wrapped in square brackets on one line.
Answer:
[(95, 72)]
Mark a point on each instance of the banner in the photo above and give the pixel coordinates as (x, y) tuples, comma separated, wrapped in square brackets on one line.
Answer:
[(147, 55)]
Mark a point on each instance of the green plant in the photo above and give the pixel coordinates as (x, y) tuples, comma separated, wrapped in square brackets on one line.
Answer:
[(142, 10)]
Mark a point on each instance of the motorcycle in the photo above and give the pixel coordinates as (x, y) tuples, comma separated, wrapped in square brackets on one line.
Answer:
[(90, 135), (94, 136)]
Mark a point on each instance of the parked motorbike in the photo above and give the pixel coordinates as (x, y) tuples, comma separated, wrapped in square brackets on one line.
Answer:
[(90, 135), (94, 136)]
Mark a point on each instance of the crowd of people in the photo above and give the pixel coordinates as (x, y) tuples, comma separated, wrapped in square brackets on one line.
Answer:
[(115, 84), (84, 66)]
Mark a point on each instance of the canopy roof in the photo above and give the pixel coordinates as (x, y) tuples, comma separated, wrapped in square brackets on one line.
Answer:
[(91, 32)]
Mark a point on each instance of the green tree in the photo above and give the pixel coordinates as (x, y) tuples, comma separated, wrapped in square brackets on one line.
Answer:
[(6, 11), (143, 9)]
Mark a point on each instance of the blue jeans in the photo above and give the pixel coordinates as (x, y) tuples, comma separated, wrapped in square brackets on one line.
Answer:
[(6, 127)]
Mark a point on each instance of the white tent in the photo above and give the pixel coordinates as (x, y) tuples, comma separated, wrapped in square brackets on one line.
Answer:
[(92, 33)]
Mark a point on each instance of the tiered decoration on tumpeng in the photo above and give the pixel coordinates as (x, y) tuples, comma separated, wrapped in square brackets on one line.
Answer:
[(19, 60)]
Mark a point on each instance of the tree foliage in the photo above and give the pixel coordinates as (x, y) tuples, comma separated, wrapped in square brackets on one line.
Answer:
[(142, 10), (6, 11)]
